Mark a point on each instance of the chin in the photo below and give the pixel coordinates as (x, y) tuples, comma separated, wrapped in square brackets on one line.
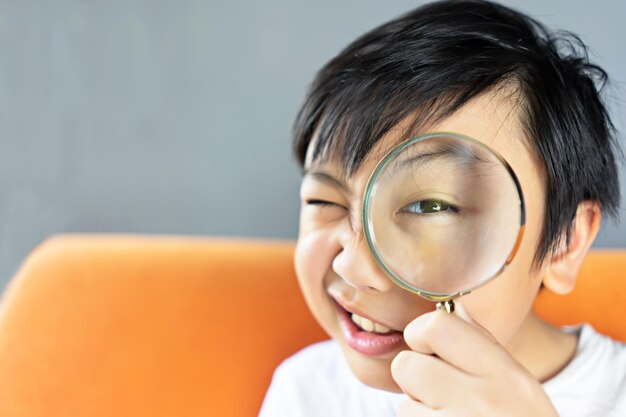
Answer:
[(375, 372)]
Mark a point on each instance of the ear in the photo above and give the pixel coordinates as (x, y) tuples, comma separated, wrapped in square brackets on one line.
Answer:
[(564, 264)]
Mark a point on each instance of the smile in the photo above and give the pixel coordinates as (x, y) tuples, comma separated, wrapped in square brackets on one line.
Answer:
[(366, 336), (369, 325)]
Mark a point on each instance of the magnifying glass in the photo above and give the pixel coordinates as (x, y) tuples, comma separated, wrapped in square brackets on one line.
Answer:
[(442, 215)]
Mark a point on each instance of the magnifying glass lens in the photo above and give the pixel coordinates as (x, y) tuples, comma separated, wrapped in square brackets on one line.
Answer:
[(443, 214)]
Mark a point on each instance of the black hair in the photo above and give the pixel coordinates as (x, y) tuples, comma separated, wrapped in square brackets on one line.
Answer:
[(434, 59)]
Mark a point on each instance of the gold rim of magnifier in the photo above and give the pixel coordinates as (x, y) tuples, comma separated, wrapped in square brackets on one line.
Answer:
[(440, 298)]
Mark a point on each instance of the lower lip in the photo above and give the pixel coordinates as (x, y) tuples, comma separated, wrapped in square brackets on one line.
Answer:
[(367, 343)]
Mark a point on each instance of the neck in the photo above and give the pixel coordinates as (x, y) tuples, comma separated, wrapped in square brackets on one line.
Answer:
[(541, 348)]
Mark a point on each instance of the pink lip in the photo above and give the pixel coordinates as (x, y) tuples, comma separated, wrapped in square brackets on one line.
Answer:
[(367, 343)]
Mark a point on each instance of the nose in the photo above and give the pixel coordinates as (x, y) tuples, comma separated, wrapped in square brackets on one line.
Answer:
[(355, 264)]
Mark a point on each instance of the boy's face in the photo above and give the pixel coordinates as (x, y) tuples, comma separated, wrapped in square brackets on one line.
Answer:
[(338, 275)]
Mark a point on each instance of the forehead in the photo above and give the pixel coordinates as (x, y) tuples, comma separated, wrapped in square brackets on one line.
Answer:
[(492, 118)]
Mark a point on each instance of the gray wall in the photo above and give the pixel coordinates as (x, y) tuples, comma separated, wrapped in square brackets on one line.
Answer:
[(173, 116)]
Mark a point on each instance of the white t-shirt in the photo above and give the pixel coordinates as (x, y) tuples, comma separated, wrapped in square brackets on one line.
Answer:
[(318, 382)]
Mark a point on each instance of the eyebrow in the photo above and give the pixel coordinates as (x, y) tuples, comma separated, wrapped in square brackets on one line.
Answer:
[(446, 150), (324, 177)]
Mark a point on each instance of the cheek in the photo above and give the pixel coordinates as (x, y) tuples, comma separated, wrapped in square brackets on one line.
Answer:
[(313, 255), (315, 250), (502, 305), (313, 259)]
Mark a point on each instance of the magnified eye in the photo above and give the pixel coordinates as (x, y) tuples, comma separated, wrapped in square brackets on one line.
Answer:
[(429, 207)]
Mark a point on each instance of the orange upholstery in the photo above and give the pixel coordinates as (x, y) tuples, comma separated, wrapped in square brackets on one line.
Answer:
[(599, 297), (172, 326), (143, 326)]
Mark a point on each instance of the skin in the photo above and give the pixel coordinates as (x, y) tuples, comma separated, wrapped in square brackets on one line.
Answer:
[(492, 356)]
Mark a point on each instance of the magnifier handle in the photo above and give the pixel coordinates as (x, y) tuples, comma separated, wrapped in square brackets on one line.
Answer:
[(448, 306)]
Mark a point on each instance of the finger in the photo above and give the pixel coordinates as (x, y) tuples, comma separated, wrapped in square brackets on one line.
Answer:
[(428, 379), (460, 312), (411, 408), (466, 346), (425, 320)]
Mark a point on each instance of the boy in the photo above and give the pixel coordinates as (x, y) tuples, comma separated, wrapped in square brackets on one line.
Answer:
[(494, 74)]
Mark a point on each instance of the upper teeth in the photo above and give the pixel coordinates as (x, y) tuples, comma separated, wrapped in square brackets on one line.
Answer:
[(368, 325)]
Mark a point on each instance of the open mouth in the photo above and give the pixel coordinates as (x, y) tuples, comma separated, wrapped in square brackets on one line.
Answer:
[(366, 336), (369, 325)]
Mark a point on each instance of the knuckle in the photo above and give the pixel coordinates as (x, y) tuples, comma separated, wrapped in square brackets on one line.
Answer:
[(526, 386), (488, 398)]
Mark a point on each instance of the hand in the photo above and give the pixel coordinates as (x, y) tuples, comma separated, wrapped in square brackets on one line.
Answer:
[(457, 369)]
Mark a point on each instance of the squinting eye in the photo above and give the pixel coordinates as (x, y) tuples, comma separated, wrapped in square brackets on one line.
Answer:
[(429, 207), (320, 203)]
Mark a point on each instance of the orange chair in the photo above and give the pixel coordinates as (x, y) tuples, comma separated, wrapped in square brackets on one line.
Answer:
[(177, 326)]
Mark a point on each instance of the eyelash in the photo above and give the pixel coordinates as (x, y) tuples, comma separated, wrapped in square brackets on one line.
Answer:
[(449, 208), (321, 203)]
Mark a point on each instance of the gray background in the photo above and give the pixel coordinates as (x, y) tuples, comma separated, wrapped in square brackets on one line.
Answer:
[(149, 116)]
